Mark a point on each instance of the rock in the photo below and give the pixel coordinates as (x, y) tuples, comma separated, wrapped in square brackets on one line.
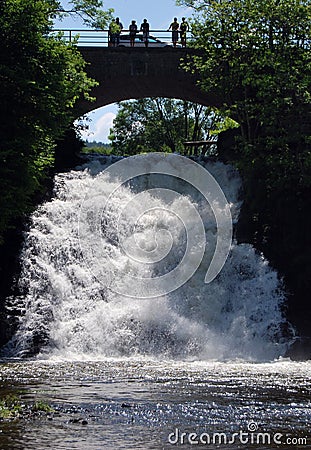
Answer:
[(300, 350)]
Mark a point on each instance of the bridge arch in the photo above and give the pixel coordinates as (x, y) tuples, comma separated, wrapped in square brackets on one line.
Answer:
[(134, 73)]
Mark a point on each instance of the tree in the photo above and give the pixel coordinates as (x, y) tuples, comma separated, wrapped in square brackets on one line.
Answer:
[(90, 11), (256, 54), (161, 124), (41, 78)]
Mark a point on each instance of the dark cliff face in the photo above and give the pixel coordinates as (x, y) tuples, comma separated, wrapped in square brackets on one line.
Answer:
[(279, 226), (66, 157), (67, 151), (9, 269)]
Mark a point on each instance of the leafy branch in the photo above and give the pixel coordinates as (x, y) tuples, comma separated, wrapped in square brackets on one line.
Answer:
[(90, 11)]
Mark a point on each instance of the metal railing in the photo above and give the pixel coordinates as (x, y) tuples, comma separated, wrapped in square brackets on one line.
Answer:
[(100, 38), (87, 37)]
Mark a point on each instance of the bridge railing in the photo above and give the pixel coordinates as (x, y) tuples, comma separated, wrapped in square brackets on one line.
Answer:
[(100, 38), (87, 37)]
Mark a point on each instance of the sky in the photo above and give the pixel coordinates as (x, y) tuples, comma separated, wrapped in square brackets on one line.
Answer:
[(159, 14)]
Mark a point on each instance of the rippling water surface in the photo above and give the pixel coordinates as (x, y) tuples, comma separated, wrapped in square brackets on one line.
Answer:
[(147, 404)]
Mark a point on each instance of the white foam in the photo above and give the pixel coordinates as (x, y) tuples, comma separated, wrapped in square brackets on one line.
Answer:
[(238, 315)]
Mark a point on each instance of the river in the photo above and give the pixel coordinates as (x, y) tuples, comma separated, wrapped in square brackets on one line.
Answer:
[(140, 403), (144, 324)]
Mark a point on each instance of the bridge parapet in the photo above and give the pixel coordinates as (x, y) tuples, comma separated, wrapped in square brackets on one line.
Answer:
[(100, 38)]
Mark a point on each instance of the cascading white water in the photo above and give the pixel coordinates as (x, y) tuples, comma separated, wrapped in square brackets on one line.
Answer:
[(72, 313)]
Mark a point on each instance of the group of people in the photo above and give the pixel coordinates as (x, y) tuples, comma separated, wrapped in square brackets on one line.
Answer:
[(116, 27), (144, 27), (179, 29), (114, 32)]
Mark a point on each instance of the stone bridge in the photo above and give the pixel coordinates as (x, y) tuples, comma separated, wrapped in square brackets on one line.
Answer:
[(134, 73)]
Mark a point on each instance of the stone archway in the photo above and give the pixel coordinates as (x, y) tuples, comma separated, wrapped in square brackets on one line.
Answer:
[(129, 73)]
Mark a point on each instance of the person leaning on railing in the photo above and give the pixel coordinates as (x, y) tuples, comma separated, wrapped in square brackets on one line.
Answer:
[(118, 31), (174, 26), (145, 29), (114, 32), (133, 31), (184, 27)]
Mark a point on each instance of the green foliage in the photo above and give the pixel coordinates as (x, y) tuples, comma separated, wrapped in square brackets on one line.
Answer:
[(161, 124), (223, 124), (97, 147), (10, 407), (41, 78), (89, 10), (256, 55), (43, 406)]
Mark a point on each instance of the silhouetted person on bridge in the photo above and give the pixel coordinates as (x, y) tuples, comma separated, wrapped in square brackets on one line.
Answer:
[(174, 26), (133, 31), (115, 29), (184, 27), (145, 29), (118, 31)]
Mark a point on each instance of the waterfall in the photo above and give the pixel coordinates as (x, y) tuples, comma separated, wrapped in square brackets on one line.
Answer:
[(77, 269)]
